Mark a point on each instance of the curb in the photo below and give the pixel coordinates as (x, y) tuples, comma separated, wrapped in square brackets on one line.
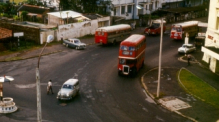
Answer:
[(31, 56), (150, 95), (37, 55)]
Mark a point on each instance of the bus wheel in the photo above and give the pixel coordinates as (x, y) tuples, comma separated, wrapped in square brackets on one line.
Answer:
[(142, 65), (134, 72), (114, 42), (119, 73)]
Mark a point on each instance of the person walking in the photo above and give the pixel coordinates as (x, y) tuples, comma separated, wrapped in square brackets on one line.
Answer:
[(188, 58), (49, 87)]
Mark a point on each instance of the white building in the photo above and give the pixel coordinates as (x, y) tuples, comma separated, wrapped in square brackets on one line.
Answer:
[(129, 10), (211, 47)]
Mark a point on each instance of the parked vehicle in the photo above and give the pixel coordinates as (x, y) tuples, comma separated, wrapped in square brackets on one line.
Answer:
[(69, 89), (74, 43), (186, 48), (155, 28), (200, 39), (112, 34), (131, 54)]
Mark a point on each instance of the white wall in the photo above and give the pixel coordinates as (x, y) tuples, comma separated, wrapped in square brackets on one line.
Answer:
[(212, 38), (75, 30), (44, 34)]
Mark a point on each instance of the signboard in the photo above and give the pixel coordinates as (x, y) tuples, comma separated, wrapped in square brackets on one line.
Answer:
[(18, 34), (201, 34)]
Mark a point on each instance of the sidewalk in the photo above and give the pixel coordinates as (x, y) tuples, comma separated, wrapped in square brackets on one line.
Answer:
[(174, 98)]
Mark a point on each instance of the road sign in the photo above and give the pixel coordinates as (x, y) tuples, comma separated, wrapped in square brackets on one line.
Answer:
[(18, 34)]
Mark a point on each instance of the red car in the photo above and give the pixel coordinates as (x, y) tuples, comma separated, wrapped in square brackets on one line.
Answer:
[(155, 28)]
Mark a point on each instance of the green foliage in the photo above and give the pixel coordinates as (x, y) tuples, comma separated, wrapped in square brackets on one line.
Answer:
[(24, 15), (199, 88), (15, 17)]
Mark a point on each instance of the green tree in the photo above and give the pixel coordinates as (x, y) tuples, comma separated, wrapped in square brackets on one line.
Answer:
[(24, 15)]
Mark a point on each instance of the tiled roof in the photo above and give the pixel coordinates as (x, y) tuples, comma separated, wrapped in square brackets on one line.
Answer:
[(33, 9)]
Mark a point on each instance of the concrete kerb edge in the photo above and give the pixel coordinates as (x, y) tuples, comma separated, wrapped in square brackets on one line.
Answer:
[(157, 102)]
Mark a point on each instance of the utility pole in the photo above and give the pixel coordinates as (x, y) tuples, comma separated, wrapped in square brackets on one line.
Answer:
[(159, 70)]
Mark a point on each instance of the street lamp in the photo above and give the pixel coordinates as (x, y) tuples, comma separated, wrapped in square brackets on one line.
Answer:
[(140, 7), (160, 53), (50, 38)]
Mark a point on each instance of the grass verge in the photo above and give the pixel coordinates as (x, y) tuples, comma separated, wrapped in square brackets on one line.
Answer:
[(199, 88)]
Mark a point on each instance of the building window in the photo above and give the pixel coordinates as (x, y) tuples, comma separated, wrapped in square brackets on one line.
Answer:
[(123, 10), (129, 8), (150, 6), (114, 11), (217, 23)]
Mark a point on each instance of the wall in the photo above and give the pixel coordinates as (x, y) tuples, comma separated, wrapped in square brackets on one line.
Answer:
[(76, 30), (44, 34)]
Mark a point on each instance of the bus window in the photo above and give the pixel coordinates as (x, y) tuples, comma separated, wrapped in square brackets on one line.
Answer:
[(121, 61), (179, 29), (124, 47), (132, 48)]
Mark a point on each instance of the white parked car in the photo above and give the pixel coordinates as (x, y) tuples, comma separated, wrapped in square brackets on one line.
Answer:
[(186, 48), (74, 43), (68, 90)]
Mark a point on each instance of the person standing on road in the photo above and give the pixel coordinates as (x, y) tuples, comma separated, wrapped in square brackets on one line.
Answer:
[(49, 87), (188, 58)]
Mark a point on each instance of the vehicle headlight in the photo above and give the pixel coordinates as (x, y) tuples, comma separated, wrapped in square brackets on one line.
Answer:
[(67, 94)]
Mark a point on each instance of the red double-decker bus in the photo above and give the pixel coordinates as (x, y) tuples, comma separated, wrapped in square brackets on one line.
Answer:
[(131, 54), (112, 34)]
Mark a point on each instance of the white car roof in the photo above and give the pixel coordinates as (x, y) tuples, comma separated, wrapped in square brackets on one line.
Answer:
[(71, 81)]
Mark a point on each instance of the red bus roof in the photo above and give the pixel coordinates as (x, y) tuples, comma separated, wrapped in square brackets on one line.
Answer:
[(114, 28), (133, 39)]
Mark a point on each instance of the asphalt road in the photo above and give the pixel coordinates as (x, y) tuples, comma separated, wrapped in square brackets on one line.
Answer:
[(103, 96)]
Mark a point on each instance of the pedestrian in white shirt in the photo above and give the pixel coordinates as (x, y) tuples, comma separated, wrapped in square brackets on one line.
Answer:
[(49, 87)]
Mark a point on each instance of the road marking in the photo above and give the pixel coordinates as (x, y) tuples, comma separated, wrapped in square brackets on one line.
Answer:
[(173, 103), (25, 86)]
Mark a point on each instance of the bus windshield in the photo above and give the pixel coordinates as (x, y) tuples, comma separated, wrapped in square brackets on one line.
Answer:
[(122, 47), (177, 29), (126, 61)]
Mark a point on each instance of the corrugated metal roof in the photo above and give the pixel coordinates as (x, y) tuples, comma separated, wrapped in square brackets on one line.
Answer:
[(33, 9), (65, 14)]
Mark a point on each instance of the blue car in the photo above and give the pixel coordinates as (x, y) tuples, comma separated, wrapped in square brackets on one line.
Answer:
[(74, 43)]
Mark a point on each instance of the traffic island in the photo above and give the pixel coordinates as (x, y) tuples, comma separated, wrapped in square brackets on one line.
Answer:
[(7, 105)]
